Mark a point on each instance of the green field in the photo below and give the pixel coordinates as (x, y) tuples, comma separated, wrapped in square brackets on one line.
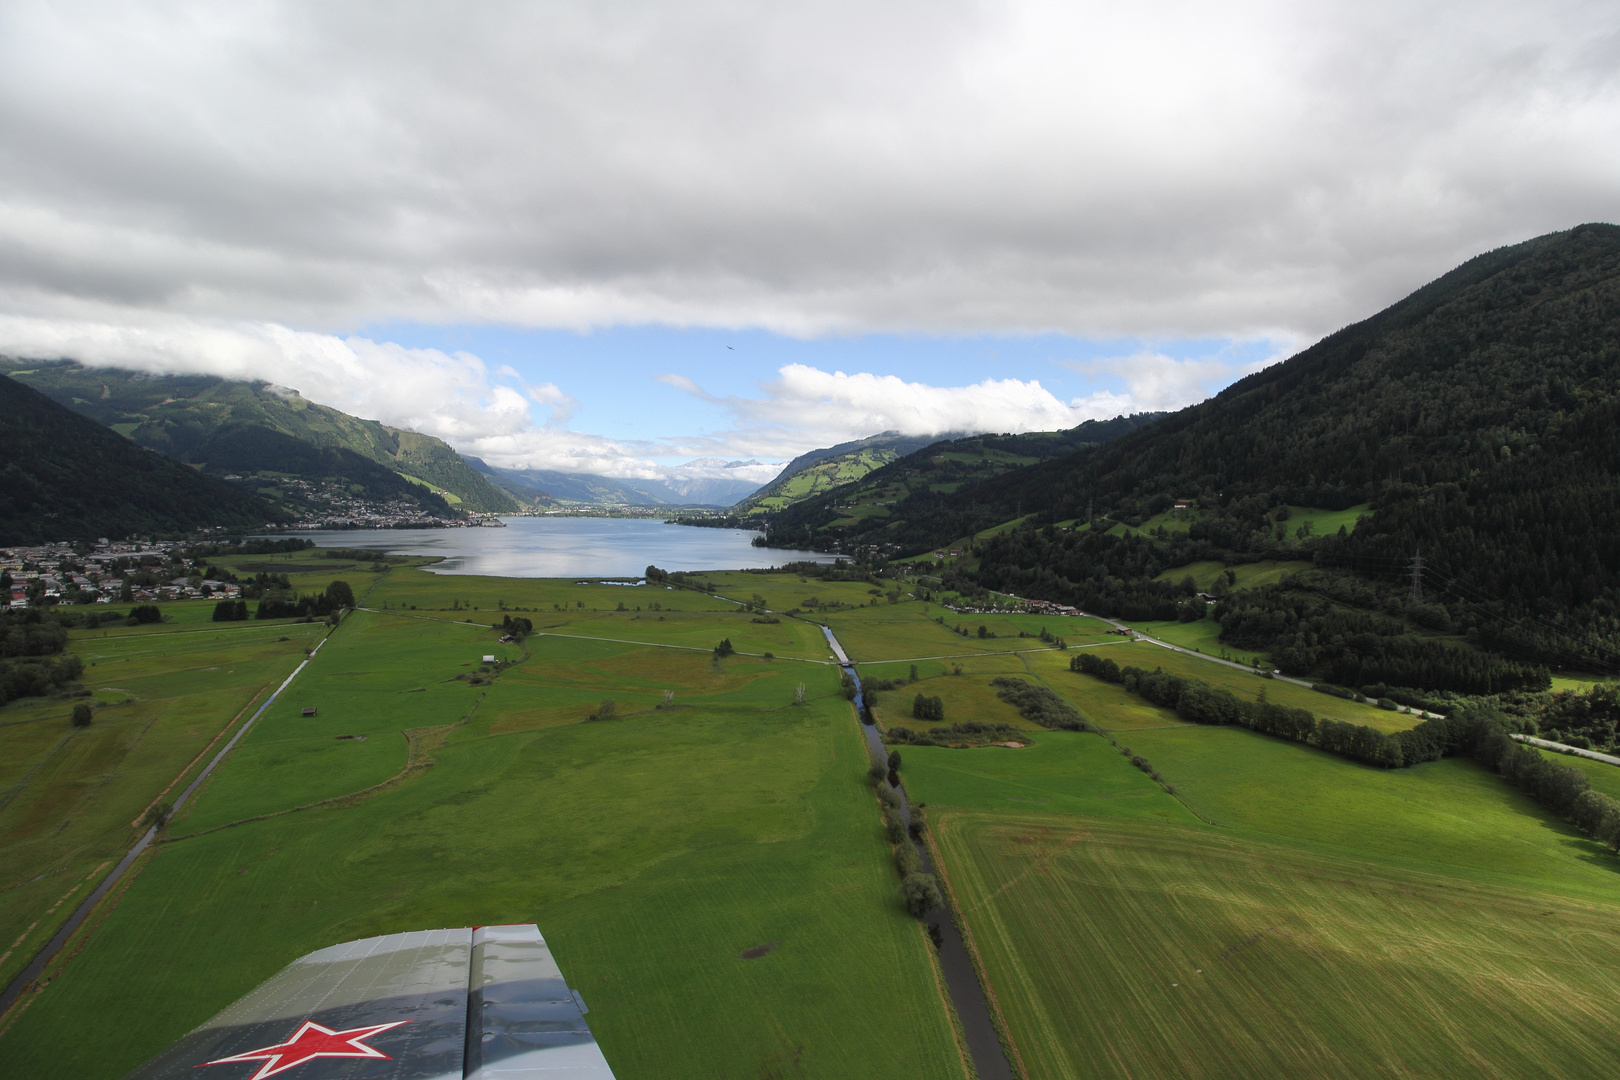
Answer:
[(1111, 706), (653, 849), (1262, 909), (71, 799), (1063, 772), (1122, 948), (1347, 921), (1604, 777), (1249, 575), (1202, 635), (906, 631)]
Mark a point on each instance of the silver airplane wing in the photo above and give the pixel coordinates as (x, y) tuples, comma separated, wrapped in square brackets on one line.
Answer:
[(487, 1003)]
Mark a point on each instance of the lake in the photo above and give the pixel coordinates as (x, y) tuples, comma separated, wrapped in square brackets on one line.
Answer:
[(573, 547)]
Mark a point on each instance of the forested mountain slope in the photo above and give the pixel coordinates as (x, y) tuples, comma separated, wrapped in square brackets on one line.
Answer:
[(1479, 418), (820, 470), (912, 503), (65, 477), (178, 414)]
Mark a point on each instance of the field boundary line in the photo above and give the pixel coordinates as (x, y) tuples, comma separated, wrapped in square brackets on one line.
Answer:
[(416, 761)]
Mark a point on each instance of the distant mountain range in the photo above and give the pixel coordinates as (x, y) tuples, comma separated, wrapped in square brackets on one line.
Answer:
[(700, 483)]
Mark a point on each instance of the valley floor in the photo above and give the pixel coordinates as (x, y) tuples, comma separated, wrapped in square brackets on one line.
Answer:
[(708, 860)]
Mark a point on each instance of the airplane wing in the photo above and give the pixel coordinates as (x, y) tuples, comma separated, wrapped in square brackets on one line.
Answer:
[(487, 1003)]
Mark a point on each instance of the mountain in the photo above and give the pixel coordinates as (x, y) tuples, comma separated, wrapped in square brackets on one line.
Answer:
[(177, 414), (716, 481), (706, 482), (817, 471), (65, 477), (894, 506), (1475, 423), (248, 449)]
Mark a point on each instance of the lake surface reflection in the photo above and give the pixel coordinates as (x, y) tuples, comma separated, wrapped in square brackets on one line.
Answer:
[(572, 547)]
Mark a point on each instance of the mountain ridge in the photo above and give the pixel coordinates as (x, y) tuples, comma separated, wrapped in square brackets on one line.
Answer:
[(176, 414), (66, 477)]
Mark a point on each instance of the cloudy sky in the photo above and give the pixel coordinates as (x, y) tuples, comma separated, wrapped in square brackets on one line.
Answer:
[(612, 237)]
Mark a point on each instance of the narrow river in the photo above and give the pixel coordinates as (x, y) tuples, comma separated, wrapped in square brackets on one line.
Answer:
[(967, 995)]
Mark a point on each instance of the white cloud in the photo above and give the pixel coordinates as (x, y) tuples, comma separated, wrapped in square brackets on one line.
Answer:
[(1158, 170), (1155, 382), (449, 395), (806, 407)]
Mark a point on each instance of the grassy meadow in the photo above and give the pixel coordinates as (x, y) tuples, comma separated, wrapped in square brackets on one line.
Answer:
[(1264, 909), (653, 848), (1120, 948), (71, 799), (1348, 921)]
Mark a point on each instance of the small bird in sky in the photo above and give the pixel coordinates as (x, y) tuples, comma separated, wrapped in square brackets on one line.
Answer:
[(729, 347)]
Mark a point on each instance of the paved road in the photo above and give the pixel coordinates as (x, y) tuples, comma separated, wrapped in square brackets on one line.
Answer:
[(1562, 749)]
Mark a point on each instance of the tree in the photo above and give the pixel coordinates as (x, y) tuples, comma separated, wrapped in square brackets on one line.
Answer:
[(81, 715), (656, 576), (913, 673), (340, 595), (894, 761), (724, 649), (145, 613), (921, 893)]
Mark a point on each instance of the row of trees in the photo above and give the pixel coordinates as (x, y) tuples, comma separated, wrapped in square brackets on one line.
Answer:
[(962, 733), (285, 604)]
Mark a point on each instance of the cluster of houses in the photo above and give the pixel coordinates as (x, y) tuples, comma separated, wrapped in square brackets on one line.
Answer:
[(331, 505), (57, 573)]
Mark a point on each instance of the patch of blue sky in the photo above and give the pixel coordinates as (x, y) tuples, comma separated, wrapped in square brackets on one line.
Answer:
[(613, 374)]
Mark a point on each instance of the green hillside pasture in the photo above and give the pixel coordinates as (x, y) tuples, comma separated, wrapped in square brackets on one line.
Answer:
[(1445, 816), (652, 850), (1132, 949), (1062, 772), (446, 592), (1604, 777), (843, 469), (1325, 522), (907, 631), (1247, 686), (70, 799), (1249, 575)]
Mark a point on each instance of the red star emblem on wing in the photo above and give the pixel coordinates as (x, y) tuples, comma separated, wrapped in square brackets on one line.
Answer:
[(311, 1041)]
